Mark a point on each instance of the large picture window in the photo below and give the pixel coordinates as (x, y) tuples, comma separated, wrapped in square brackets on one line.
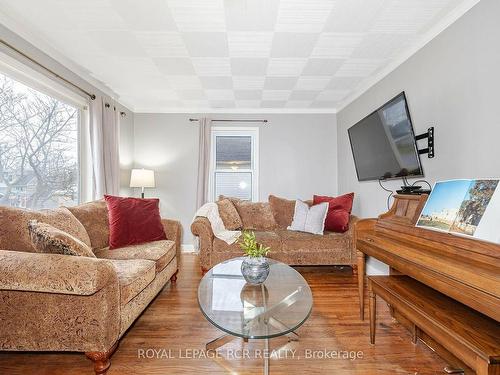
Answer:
[(39, 150), (234, 163)]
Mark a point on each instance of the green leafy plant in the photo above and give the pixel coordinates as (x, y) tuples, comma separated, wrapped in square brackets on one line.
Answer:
[(250, 247)]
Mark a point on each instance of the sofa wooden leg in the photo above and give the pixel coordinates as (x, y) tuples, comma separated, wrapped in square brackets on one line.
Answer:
[(173, 279), (101, 360)]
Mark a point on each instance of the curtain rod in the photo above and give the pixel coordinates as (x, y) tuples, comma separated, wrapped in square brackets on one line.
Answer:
[(229, 120), (91, 96)]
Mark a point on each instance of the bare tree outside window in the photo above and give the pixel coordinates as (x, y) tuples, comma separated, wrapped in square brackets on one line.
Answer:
[(38, 148)]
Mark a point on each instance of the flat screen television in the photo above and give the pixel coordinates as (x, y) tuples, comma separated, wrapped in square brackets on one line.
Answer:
[(383, 143)]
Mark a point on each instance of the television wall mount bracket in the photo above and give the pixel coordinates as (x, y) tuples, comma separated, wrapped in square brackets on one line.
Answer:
[(430, 142)]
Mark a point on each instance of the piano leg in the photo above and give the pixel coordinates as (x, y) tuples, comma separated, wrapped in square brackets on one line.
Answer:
[(373, 312), (361, 283)]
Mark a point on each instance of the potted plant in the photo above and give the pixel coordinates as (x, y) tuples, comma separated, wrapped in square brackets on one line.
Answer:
[(254, 267)]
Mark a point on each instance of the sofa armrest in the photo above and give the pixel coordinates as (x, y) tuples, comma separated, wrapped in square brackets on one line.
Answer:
[(201, 227), (173, 231), (54, 273)]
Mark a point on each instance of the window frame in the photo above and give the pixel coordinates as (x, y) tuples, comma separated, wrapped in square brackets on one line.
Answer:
[(228, 131), (28, 76)]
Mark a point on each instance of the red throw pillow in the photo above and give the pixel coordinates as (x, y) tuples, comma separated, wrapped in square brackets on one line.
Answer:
[(133, 221), (339, 211)]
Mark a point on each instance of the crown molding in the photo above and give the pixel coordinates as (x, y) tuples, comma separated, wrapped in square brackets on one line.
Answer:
[(245, 111), (43, 46), (406, 54)]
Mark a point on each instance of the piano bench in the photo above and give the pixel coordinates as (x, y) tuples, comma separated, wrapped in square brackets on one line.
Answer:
[(467, 334)]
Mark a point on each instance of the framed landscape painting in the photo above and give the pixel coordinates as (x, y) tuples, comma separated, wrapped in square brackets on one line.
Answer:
[(464, 207)]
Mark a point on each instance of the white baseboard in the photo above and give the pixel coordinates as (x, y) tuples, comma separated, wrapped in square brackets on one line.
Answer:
[(188, 248)]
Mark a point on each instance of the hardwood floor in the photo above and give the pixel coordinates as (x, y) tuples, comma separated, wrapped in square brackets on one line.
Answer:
[(173, 324)]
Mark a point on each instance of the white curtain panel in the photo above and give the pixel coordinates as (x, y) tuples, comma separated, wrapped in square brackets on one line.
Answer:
[(204, 135), (104, 143)]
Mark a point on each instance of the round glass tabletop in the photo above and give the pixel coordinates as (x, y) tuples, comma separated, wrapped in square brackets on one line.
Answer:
[(277, 307)]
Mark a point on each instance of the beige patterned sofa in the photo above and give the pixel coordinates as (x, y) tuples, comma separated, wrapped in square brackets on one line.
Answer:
[(52, 302), (269, 221)]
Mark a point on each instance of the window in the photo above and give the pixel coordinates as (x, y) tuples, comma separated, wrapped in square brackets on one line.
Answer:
[(39, 149), (234, 163)]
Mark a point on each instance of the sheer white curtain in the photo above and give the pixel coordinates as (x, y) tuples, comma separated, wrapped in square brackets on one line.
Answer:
[(204, 135), (104, 125)]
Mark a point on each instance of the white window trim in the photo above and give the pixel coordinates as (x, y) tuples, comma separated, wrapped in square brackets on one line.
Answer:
[(40, 82), (235, 131)]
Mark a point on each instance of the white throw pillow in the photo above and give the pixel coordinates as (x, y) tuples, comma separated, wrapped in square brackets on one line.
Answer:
[(310, 220)]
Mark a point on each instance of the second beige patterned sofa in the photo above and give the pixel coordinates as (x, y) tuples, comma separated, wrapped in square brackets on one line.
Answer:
[(269, 221)]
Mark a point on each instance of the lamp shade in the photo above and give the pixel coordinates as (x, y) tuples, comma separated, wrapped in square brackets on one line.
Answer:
[(142, 178)]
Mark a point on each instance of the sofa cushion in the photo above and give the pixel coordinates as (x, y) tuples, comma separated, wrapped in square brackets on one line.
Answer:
[(133, 276), (266, 238), (300, 241), (133, 221), (94, 217), (229, 215), (309, 219), (14, 234), (161, 252), (282, 210), (48, 239), (254, 215), (339, 210)]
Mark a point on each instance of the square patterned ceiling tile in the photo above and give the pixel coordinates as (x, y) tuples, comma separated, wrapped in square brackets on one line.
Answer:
[(185, 82), (323, 104), (304, 95), (219, 94), (343, 83), (206, 44), (358, 68), (248, 103), (254, 15), (248, 94), (298, 103), (280, 83), (293, 44), (191, 94), (198, 15), (340, 46), (250, 44), (322, 67), (312, 83), (248, 82), (174, 66), (276, 94), (217, 83), (249, 66), (222, 103), (285, 67), (161, 44), (156, 16), (332, 95), (303, 15), (354, 16), (273, 103), (212, 66), (380, 46)]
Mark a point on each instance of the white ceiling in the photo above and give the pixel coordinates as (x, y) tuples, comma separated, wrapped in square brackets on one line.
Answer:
[(179, 55)]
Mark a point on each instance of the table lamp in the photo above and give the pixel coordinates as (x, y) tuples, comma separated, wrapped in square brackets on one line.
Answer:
[(143, 178)]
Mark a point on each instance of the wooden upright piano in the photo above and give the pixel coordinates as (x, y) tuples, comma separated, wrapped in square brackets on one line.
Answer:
[(465, 269)]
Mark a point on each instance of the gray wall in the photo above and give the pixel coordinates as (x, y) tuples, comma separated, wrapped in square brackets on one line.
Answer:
[(298, 158), (452, 83)]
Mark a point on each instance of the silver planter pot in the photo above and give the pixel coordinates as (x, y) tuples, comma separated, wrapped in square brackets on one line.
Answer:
[(255, 270)]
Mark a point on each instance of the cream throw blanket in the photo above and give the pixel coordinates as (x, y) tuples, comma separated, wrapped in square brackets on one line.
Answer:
[(211, 212)]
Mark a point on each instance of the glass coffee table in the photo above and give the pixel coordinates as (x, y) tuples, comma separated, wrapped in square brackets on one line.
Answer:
[(275, 308)]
